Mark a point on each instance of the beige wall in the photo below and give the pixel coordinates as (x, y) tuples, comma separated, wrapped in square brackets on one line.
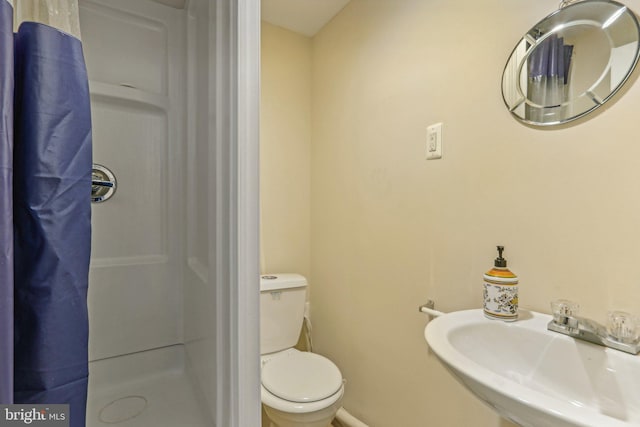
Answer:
[(389, 229), (285, 135)]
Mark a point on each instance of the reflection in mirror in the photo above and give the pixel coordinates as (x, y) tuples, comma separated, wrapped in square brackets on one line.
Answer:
[(571, 62)]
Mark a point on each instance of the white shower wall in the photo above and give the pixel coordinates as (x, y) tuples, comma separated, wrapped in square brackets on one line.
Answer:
[(135, 58), (149, 74), (174, 95)]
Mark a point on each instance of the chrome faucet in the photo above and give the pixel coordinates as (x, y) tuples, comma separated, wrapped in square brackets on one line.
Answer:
[(621, 332)]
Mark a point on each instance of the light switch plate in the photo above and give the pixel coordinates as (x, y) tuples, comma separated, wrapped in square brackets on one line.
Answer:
[(434, 141)]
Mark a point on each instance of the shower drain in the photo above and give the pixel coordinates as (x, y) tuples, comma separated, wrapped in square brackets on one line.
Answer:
[(122, 409)]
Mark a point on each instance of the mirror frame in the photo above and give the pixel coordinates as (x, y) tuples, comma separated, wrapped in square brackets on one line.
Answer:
[(512, 92)]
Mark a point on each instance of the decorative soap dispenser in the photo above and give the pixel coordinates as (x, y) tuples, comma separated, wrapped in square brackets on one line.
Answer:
[(501, 291)]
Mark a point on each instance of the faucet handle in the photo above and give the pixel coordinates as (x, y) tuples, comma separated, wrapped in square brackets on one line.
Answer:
[(563, 311), (622, 326), (564, 308)]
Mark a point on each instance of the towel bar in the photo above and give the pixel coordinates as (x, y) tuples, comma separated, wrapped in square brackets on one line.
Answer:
[(428, 308)]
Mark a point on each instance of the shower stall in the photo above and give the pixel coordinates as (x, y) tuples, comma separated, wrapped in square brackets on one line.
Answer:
[(173, 284)]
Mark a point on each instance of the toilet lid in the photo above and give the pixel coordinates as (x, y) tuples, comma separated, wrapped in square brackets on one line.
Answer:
[(301, 377)]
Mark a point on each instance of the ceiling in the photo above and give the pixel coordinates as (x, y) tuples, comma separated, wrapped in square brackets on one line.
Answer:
[(306, 17)]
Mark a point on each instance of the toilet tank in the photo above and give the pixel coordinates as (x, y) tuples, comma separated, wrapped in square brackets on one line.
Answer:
[(282, 299)]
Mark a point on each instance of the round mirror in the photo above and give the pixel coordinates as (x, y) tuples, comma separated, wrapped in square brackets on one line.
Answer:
[(571, 62)]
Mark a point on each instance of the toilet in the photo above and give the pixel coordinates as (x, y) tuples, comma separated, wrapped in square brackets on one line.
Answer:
[(298, 389)]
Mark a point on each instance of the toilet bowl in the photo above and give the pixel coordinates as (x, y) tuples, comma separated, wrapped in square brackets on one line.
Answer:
[(300, 389)]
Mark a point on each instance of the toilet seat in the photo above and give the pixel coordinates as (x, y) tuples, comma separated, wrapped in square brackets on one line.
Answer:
[(301, 377)]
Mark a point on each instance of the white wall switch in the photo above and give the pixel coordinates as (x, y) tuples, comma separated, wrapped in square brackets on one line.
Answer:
[(434, 141)]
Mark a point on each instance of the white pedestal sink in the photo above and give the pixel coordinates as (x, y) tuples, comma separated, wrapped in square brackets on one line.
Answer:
[(535, 377)]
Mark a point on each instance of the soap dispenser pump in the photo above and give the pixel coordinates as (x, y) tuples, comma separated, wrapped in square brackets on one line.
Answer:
[(501, 291)]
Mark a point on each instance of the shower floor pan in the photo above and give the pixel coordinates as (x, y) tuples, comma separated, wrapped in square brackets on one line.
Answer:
[(146, 389)]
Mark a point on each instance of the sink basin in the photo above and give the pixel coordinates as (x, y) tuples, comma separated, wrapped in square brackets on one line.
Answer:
[(535, 377)]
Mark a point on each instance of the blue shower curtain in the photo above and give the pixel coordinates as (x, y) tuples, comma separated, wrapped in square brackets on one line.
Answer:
[(51, 218), (6, 203), (548, 80)]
